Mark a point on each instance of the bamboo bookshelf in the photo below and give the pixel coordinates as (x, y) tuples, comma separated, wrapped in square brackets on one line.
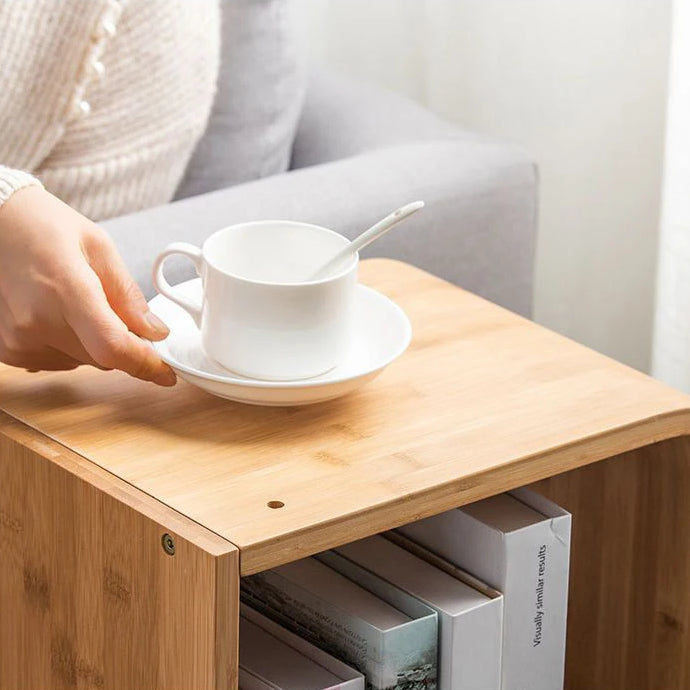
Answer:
[(128, 513)]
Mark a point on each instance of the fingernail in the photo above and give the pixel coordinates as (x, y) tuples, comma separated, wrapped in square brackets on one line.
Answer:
[(156, 323), (167, 378)]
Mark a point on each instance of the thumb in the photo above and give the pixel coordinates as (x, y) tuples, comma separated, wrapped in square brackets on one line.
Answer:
[(123, 294)]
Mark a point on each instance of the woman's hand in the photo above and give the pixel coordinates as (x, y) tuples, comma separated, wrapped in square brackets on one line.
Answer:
[(66, 297)]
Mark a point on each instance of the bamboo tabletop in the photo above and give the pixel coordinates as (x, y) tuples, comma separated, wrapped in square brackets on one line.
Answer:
[(482, 401)]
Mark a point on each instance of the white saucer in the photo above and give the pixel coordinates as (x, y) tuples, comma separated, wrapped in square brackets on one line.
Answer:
[(381, 334)]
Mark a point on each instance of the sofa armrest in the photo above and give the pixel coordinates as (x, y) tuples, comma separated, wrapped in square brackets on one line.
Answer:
[(477, 230)]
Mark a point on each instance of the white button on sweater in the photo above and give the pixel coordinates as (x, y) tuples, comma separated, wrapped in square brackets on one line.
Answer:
[(104, 100)]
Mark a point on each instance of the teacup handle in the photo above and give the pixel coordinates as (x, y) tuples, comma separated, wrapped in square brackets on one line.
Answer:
[(163, 286)]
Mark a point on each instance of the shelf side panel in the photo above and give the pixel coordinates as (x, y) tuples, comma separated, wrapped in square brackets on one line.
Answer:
[(89, 597), (629, 604)]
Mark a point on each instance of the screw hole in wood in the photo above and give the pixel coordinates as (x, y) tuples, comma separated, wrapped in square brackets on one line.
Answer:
[(275, 504)]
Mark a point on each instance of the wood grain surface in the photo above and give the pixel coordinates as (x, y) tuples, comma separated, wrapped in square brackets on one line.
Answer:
[(88, 596), (482, 401), (629, 605)]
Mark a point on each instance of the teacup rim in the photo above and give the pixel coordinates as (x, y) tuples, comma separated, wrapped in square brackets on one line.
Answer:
[(268, 283)]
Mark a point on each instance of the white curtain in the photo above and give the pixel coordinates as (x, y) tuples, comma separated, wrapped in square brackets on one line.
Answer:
[(671, 350)]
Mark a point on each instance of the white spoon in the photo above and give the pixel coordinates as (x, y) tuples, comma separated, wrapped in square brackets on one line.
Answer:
[(367, 237)]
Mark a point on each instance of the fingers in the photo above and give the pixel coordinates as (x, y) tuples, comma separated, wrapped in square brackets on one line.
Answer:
[(122, 293), (105, 337)]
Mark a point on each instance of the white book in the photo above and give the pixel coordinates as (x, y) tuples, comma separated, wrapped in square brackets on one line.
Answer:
[(469, 620), (383, 632), (518, 543), (273, 658)]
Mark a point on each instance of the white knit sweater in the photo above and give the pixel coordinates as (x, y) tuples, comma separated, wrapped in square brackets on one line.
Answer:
[(104, 100)]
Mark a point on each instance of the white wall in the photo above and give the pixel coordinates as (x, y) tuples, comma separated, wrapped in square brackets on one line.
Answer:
[(671, 352), (582, 85)]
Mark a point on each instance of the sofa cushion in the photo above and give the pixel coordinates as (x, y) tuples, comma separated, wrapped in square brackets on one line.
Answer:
[(259, 99)]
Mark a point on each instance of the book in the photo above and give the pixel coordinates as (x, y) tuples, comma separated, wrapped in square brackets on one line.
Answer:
[(470, 618), (384, 633), (273, 658), (518, 543)]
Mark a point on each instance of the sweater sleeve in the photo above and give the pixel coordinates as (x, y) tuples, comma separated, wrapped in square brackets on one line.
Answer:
[(12, 180)]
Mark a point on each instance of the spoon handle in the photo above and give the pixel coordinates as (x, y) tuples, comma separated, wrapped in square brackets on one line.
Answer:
[(368, 236)]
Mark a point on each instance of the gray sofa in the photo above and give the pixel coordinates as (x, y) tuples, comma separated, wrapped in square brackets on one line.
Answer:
[(358, 153)]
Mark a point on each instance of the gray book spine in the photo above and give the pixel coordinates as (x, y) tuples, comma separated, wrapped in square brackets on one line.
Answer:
[(410, 650)]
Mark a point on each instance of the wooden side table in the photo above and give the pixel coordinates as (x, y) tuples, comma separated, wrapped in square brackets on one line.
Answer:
[(128, 513)]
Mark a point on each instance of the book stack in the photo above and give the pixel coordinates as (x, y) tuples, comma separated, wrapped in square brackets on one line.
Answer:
[(384, 633), (472, 599)]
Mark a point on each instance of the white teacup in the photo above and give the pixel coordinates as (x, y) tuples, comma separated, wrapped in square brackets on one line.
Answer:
[(260, 315)]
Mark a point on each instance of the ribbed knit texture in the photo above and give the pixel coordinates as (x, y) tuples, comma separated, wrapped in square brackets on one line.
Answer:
[(12, 180), (104, 100)]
